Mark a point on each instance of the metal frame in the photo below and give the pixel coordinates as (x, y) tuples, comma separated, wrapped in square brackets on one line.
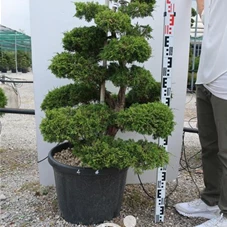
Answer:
[(12, 40), (16, 110)]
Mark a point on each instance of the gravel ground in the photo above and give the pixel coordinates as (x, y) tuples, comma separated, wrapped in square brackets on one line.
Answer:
[(24, 202)]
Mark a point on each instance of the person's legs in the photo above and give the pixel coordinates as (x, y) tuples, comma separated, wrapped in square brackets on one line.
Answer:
[(209, 142), (206, 206), (220, 115)]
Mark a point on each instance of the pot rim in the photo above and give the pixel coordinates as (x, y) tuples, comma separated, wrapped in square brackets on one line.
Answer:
[(76, 169)]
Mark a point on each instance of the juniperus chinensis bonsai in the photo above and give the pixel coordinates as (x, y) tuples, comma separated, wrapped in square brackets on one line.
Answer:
[(85, 112)]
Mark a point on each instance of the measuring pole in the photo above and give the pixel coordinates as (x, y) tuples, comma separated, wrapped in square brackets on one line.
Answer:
[(166, 83)]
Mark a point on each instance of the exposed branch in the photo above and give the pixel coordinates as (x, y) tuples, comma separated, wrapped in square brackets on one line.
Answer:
[(112, 131), (121, 99), (110, 100)]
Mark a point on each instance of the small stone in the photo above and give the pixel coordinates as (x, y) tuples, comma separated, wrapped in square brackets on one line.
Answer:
[(57, 217), (2, 197), (4, 216), (130, 221)]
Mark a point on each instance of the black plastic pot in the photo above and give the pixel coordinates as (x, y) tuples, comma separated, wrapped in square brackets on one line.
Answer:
[(24, 70), (86, 196)]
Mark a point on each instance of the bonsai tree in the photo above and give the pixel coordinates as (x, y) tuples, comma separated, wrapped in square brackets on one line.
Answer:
[(23, 60), (12, 63), (24, 64), (3, 100), (88, 114)]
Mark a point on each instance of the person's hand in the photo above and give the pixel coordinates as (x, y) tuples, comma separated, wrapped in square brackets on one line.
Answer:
[(200, 6)]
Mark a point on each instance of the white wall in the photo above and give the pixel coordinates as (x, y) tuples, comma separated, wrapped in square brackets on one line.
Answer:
[(49, 19)]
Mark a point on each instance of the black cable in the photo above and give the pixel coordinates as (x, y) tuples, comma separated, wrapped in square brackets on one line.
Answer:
[(190, 130), (174, 189), (192, 94), (152, 197), (42, 159), (194, 167), (190, 120), (45, 157), (168, 196), (187, 165), (141, 184), (187, 168)]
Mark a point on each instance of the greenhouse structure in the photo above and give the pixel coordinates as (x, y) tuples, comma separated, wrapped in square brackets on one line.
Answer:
[(15, 50)]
